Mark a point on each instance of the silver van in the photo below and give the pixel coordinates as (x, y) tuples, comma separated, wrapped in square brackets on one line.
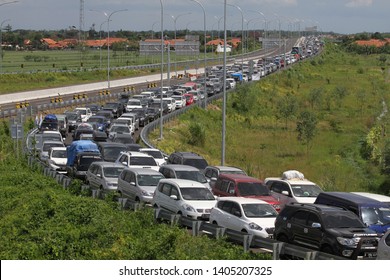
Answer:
[(138, 184)]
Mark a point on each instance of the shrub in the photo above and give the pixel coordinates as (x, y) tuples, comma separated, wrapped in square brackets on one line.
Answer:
[(197, 134)]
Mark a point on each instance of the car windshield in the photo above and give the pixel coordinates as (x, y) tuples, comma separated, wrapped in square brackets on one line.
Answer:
[(375, 215), (342, 220), (135, 160), (191, 175), (112, 172), (96, 120), (47, 146), (52, 137), (85, 162), (112, 153), (233, 172), (306, 190), (198, 163), (149, 180), (73, 117), (196, 194), (82, 111), (260, 210), (134, 102), (252, 189), (120, 129), (58, 154), (155, 154)]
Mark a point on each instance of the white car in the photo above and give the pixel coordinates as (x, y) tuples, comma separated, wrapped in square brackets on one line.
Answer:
[(231, 82), (185, 197), (57, 158), (249, 215), (138, 184), (137, 160), (132, 104), (180, 101), (85, 113), (171, 103), (118, 128), (292, 187), (156, 153)]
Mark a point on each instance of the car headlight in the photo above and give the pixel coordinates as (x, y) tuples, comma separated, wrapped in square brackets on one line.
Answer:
[(145, 193), (348, 241), (255, 226), (189, 208)]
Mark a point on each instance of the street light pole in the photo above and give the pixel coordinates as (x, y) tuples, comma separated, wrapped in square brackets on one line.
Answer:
[(224, 89), (108, 43), (1, 44), (1, 41), (162, 69), (242, 35), (174, 25), (100, 42), (205, 62)]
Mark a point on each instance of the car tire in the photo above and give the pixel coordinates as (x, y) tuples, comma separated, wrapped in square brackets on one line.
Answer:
[(327, 249)]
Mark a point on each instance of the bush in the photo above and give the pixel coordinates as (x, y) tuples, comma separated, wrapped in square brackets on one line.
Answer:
[(197, 134)]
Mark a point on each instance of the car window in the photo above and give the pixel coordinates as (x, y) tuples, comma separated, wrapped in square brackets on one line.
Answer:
[(312, 219), (135, 160), (252, 189), (196, 194), (148, 180), (174, 191), (230, 189), (342, 220), (112, 172), (166, 189), (299, 217), (261, 210), (236, 211)]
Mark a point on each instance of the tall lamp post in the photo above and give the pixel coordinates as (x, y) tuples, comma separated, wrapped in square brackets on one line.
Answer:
[(1, 41), (1, 44), (205, 62), (162, 69), (242, 34), (175, 18), (100, 42), (224, 89), (108, 43)]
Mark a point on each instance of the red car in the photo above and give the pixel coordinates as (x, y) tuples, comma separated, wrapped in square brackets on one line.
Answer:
[(189, 98), (245, 186)]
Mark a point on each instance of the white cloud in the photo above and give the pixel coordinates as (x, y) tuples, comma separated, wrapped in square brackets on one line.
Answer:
[(359, 3)]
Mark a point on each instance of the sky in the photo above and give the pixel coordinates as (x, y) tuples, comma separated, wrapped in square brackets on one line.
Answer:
[(339, 16)]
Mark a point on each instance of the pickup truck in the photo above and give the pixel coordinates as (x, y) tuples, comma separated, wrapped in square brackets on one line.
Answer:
[(80, 155)]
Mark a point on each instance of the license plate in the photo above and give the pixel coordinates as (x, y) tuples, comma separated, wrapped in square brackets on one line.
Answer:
[(370, 255)]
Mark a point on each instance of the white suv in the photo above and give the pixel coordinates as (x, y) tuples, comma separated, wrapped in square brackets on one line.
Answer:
[(292, 187), (137, 160), (185, 197), (138, 184)]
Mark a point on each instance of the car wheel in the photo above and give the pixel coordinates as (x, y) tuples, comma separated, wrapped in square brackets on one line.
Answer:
[(327, 249)]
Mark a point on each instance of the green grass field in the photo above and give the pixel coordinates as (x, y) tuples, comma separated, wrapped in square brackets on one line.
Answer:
[(345, 92)]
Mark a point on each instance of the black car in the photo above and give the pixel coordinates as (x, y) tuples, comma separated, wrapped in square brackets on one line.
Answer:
[(106, 113), (329, 229), (111, 150), (157, 104), (152, 113), (188, 158), (74, 119), (94, 108), (115, 107), (142, 116), (101, 122)]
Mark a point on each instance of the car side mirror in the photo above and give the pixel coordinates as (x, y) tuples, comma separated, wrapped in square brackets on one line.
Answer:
[(316, 225), (237, 213), (99, 175), (132, 183), (124, 163), (174, 197), (285, 193)]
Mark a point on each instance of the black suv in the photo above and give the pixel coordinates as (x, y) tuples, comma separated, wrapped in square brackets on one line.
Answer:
[(328, 229), (188, 158)]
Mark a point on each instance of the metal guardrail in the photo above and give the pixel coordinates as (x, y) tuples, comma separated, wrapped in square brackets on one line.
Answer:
[(248, 241)]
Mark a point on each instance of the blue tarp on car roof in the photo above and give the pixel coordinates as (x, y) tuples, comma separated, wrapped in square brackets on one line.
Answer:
[(80, 146)]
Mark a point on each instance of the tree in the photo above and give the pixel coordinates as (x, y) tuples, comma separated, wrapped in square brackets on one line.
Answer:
[(306, 128), (287, 107), (315, 97)]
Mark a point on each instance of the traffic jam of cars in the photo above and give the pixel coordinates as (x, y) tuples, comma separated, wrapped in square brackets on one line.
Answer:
[(97, 144)]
